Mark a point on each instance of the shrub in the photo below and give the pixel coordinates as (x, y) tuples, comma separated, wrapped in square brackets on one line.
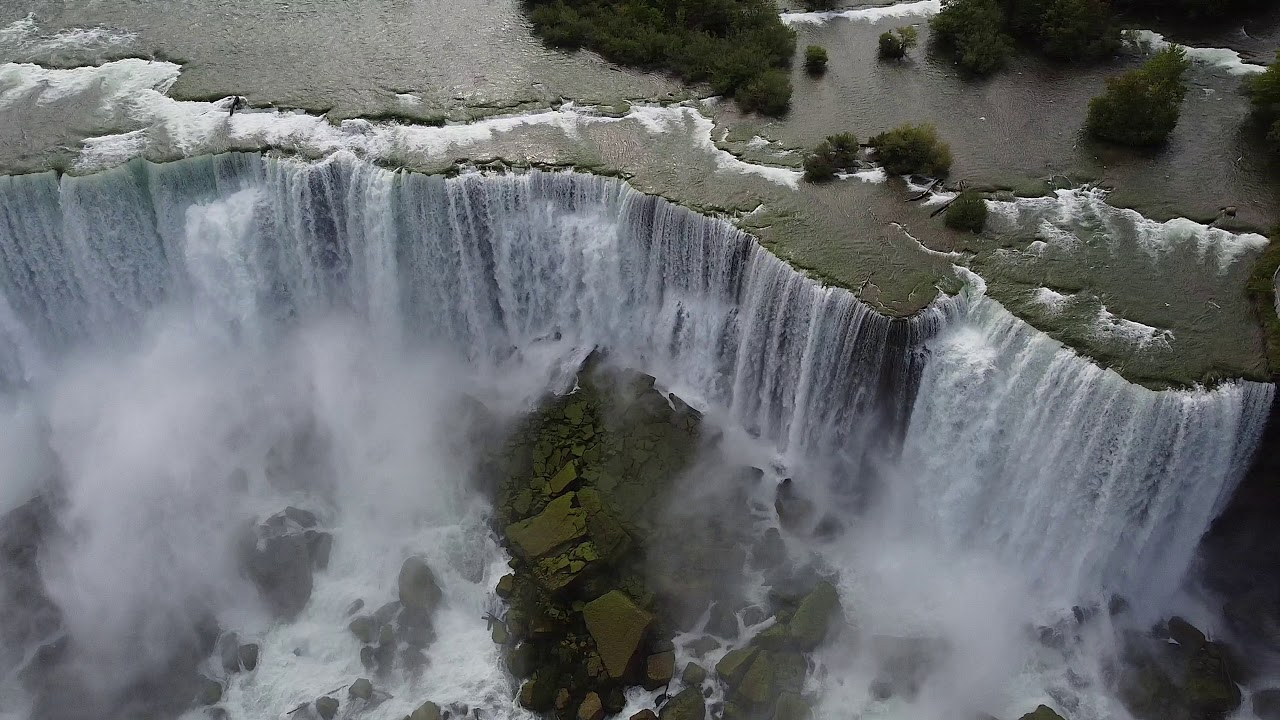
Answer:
[(1264, 92), (1141, 107), (967, 212), (895, 43), (768, 94), (730, 43), (836, 153), (815, 59), (1078, 29), (912, 149), (972, 29)]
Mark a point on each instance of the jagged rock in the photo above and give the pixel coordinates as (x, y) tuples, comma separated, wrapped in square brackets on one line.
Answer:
[(278, 560), (499, 633), (537, 694), (413, 659), (793, 510), (607, 534), (722, 622), (591, 708), (303, 518), (1266, 704), (808, 627), (617, 626), (366, 657), (229, 652), (522, 660), (362, 689), (694, 675), (559, 523), (506, 587), (735, 664), (757, 685), (326, 707), (686, 705), (364, 628), (248, 655), (753, 615), (1043, 712), (790, 706), (217, 713), (1185, 634), (563, 478), (355, 607), (419, 591), (614, 700), (320, 546), (563, 698), (703, 645), (386, 635), (210, 691), (426, 711), (645, 714), (384, 656), (1210, 691), (659, 669)]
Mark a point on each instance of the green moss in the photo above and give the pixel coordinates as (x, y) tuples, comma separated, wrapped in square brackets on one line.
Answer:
[(558, 524), (967, 212), (808, 628), (686, 705), (617, 626), (734, 665)]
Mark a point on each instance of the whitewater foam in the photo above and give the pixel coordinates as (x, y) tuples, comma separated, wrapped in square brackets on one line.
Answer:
[(876, 13), (1221, 58)]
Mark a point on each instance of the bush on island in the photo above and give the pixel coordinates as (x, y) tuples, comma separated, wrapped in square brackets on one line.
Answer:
[(815, 59), (912, 149), (967, 212), (836, 153), (1141, 107), (894, 44)]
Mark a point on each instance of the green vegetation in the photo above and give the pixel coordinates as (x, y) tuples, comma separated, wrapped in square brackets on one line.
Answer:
[(967, 212), (1262, 297), (836, 153), (1189, 9), (912, 149), (1141, 107), (1264, 91), (982, 33), (738, 46), (815, 59), (816, 5), (895, 44)]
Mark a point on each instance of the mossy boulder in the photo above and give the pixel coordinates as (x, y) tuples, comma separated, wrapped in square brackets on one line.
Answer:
[(362, 689), (1209, 689), (592, 708), (694, 675), (686, 705), (757, 685), (326, 707), (791, 706), (364, 627), (506, 587), (735, 664), (426, 711), (561, 522), (1043, 712), (538, 694), (660, 668), (808, 627), (210, 691), (419, 591), (618, 626)]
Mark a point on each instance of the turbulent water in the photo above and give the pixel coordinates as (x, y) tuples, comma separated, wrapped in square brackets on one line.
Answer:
[(163, 327)]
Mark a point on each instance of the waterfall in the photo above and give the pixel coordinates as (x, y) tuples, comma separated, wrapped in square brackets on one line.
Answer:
[(992, 438)]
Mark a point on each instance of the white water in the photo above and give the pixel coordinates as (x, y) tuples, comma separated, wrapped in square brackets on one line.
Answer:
[(171, 323)]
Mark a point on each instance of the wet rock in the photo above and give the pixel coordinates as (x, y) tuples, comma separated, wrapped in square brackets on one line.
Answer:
[(563, 698), (278, 561), (808, 627), (1117, 605), (1266, 704), (754, 615), (614, 700), (1185, 634), (319, 546), (1210, 691), (355, 607), (559, 523), (506, 587), (364, 628), (617, 626), (386, 613), (229, 652), (248, 655), (522, 660), (694, 675), (419, 590), (499, 633), (210, 691), (362, 689), (413, 659), (686, 705), (734, 665), (326, 707), (563, 478), (645, 714), (757, 686), (771, 550), (702, 646), (537, 694), (659, 669), (366, 657), (722, 622), (791, 706), (217, 713), (591, 708), (426, 711), (1043, 712), (793, 510)]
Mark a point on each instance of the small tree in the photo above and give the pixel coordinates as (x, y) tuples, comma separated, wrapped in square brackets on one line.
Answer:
[(1264, 93), (1141, 107), (895, 43), (973, 30), (912, 149), (836, 153), (815, 59), (967, 212), (768, 94), (1079, 29)]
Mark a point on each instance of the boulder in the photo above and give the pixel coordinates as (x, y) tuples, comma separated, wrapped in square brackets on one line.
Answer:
[(793, 510), (790, 706), (1043, 712), (522, 660), (617, 625), (559, 523), (366, 657), (498, 633), (702, 646), (229, 652), (1188, 637), (210, 691), (645, 714), (808, 627), (364, 628), (1266, 704), (1210, 691), (735, 664), (686, 705), (563, 478), (537, 694), (419, 591), (248, 655), (355, 607), (362, 689), (591, 708), (320, 546), (303, 518), (426, 711), (506, 587), (659, 669), (278, 561), (757, 685), (770, 551), (722, 622), (694, 675), (326, 707)]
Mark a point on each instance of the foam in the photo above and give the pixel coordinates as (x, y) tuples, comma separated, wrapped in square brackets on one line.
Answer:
[(919, 8), (1223, 58)]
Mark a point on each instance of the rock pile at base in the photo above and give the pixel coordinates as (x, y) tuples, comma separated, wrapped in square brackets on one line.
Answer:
[(279, 556)]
